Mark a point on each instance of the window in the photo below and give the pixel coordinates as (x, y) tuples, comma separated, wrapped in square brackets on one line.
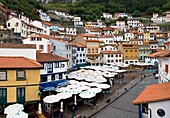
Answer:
[(33, 39), (38, 39), (56, 65), (96, 50), (78, 49), (41, 47), (8, 24), (116, 60), (80, 60), (77, 55), (126, 56), (50, 67), (3, 75), (112, 55), (80, 55), (108, 61), (119, 55), (126, 50), (119, 60), (21, 75), (161, 112), (82, 49), (3, 95), (83, 60), (116, 55), (88, 50), (92, 50), (62, 65), (166, 68), (108, 55), (83, 55), (131, 50), (135, 50)]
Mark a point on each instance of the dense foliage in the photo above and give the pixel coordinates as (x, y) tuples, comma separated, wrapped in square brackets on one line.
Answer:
[(92, 9), (28, 7)]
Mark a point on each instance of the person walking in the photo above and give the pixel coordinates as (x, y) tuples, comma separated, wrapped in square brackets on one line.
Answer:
[(73, 111)]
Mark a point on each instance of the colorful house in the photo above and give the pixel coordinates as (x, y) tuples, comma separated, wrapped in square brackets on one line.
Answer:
[(20, 79), (130, 52)]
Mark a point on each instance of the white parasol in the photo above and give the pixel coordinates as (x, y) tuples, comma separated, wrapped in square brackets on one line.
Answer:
[(103, 86), (51, 99), (13, 109)]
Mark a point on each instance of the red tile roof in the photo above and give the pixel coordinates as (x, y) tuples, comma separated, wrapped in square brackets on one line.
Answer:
[(154, 93), (110, 52), (108, 28), (48, 57), (79, 45), (89, 35), (18, 62), (11, 45)]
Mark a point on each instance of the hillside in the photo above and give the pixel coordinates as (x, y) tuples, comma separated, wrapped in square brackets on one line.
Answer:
[(28, 7), (92, 9)]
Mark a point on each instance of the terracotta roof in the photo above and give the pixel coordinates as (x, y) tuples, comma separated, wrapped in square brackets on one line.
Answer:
[(11, 45), (92, 54), (130, 45), (110, 45), (79, 45), (154, 93), (89, 35), (93, 41), (18, 62), (106, 36), (46, 23), (94, 29), (52, 37), (135, 39), (49, 57), (163, 53), (108, 28), (153, 42), (110, 52), (166, 42), (156, 53)]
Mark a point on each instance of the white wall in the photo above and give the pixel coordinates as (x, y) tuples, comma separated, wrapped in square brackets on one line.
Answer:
[(151, 60), (159, 105), (44, 42), (29, 53)]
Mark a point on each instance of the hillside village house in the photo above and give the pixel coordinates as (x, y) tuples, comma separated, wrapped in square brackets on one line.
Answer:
[(20, 74), (121, 25), (111, 57), (153, 45), (54, 67), (80, 54), (51, 44), (108, 39), (95, 31), (77, 22), (118, 38), (71, 31), (130, 52), (107, 15), (112, 47), (109, 31), (144, 50), (154, 101), (134, 23), (128, 36), (45, 26)]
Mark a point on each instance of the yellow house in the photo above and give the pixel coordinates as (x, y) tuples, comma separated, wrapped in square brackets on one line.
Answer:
[(146, 37), (88, 25), (130, 53), (19, 80)]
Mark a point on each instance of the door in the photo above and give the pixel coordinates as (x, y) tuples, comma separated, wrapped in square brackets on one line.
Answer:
[(20, 95), (3, 95)]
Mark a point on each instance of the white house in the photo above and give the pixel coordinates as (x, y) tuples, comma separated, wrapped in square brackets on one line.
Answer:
[(134, 23), (107, 15), (136, 41), (121, 25), (154, 101), (108, 31), (129, 36), (95, 31), (112, 47), (77, 22), (163, 57), (18, 26), (108, 39), (54, 66), (42, 42), (24, 50), (44, 16), (71, 31), (118, 37), (45, 26), (111, 57), (80, 54)]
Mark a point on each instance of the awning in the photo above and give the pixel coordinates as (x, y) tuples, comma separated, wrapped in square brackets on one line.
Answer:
[(46, 86)]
